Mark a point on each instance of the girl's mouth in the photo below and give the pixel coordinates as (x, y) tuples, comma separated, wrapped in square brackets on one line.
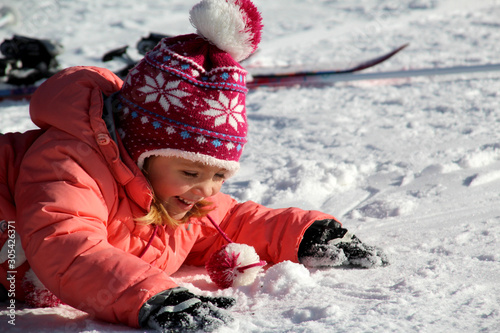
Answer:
[(185, 203)]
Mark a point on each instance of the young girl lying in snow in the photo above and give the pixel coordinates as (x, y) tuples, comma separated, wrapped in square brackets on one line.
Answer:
[(121, 184)]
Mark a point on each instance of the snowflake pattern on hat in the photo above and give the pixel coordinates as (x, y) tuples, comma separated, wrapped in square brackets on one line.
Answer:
[(143, 131), (167, 90), (226, 111)]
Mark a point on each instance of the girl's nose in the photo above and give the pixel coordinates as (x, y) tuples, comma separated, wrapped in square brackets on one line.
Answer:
[(207, 188)]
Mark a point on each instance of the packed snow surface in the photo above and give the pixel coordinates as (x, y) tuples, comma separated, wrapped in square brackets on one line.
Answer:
[(411, 165)]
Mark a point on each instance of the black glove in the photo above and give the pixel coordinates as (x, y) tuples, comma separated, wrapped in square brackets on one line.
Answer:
[(178, 310), (327, 244)]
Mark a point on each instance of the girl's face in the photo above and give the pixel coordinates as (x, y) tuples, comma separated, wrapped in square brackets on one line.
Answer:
[(180, 183)]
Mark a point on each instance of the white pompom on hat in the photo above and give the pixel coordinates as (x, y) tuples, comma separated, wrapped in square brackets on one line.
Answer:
[(233, 26)]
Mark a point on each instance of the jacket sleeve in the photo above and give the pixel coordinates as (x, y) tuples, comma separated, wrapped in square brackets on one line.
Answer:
[(62, 215), (274, 233)]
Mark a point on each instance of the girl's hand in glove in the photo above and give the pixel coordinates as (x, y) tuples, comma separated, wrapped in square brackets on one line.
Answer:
[(178, 310), (327, 244)]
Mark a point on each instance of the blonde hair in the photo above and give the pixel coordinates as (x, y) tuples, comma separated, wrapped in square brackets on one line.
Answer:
[(158, 214)]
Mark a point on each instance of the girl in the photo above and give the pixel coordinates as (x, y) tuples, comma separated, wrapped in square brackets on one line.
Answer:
[(121, 184)]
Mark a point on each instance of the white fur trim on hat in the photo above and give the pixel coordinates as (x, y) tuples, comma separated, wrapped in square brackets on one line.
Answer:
[(231, 166), (223, 24)]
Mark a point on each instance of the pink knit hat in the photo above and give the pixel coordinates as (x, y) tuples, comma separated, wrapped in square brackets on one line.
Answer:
[(186, 98)]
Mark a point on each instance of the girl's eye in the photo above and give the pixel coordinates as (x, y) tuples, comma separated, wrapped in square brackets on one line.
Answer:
[(220, 176), (190, 174)]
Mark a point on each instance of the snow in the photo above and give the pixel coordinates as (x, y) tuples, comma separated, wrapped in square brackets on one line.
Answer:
[(410, 165)]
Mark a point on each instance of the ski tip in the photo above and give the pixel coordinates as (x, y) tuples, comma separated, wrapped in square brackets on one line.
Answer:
[(405, 45)]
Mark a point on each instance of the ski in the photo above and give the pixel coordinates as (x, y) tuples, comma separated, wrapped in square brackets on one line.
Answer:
[(17, 93), (331, 78), (259, 74), (291, 78)]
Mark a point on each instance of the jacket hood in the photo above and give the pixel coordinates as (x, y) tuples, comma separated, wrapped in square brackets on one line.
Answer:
[(72, 102), (71, 99)]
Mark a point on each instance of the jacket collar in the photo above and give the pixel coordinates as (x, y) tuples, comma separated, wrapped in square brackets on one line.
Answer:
[(125, 171)]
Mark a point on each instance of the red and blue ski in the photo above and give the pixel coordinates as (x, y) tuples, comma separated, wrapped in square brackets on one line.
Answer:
[(308, 77)]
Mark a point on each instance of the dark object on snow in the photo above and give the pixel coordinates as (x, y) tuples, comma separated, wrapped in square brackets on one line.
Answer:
[(145, 45), (121, 54), (27, 60)]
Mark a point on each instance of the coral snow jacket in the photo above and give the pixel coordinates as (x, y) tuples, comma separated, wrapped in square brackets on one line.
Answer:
[(75, 193)]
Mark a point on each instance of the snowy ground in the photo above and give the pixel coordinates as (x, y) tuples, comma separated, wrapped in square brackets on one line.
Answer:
[(412, 165)]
